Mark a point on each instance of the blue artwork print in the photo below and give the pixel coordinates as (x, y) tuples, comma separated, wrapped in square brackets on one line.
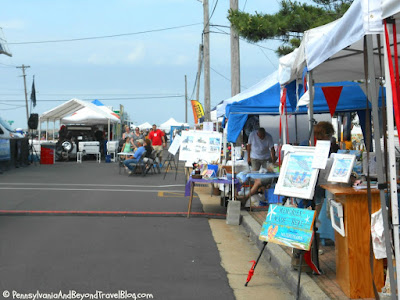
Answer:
[(299, 171), (342, 167)]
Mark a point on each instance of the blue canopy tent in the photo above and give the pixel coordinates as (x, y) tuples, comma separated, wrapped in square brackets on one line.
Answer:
[(352, 98)]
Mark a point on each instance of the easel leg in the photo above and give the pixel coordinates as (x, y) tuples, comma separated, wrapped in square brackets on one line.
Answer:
[(251, 272), (298, 281), (190, 199)]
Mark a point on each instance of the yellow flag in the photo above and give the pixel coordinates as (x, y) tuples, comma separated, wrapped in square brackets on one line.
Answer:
[(198, 111)]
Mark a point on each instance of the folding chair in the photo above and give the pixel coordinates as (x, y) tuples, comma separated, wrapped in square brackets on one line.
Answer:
[(140, 165)]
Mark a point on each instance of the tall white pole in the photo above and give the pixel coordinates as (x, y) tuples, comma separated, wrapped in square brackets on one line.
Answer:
[(392, 167), (235, 55), (206, 43)]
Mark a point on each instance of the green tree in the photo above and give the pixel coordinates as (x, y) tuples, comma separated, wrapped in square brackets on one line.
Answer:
[(289, 23)]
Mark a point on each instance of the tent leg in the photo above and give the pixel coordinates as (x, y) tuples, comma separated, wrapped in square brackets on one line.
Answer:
[(373, 96), (310, 107), (392, 165)]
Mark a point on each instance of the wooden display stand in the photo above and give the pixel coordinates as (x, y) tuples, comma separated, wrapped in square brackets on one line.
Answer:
[(353, 272)]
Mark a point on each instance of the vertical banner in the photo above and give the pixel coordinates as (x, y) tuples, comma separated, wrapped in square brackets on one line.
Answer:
[(198, 111)]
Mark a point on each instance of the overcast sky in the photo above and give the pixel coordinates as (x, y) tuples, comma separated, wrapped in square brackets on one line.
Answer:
[(148, 68)]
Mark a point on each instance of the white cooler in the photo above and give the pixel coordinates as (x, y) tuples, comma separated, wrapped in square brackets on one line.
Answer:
[(112, 149), (88, 148)]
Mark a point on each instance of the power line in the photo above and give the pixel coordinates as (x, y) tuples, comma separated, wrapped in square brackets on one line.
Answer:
[(244, 6), (102, 99), (92, 94), (12, 108), (8, 66), (103, 36), (225, 77)]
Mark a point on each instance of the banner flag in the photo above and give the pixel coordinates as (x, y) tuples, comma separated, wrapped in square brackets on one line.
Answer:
[(332, 95), (198, 111), (33, 93)]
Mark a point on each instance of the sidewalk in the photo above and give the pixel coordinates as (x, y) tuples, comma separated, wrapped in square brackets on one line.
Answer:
[(279, 257)]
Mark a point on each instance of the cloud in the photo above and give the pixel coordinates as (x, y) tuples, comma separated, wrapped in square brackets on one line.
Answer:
[(136, 54), (12, 24)]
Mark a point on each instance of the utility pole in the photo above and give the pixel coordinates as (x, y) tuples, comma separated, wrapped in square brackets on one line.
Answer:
[(199, 72), (23, 67), (235, 55), (186, 100), (206, 43)]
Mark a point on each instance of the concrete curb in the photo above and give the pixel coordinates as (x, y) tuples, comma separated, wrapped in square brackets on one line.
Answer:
[(281, 262)]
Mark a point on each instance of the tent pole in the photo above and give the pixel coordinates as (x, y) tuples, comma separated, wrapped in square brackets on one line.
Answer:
[(47, 129), (225, 142), (54, 129), (283, 115), (108, 131), (311, 107), (373, 97), (392, 165), (39, 130)]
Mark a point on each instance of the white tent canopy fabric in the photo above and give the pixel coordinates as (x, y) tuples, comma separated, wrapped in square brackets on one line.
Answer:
[(171, 122), (334, 52), (145, 125), (391, 8), (71, 107), (88, 117)]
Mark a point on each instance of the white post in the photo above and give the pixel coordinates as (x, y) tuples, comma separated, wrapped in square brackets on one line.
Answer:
[(311, 107), (392, 167), (47, 128), (39, 130), (233, 158), (108, 131)]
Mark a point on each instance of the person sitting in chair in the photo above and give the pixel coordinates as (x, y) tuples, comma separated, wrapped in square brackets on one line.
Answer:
[(127, 147), (136, 157)]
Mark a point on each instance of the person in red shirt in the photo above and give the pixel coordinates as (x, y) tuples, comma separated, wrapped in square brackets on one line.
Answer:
[(158, 141)]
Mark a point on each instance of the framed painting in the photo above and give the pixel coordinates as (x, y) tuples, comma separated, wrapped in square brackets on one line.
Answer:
[(342, 167), (336, 211), (297, 178)]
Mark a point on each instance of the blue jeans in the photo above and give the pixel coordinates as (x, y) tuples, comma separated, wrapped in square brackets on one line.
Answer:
[(130, 161)]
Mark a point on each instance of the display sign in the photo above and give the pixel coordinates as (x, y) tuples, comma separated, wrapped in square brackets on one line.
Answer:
[(288, 226), (175, 145), (5, 152), (200, 145)]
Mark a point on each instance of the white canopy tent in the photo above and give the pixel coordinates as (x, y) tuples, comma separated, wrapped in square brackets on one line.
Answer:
[(145, 125), (343, 50), (72, 106), (89, 117), (171, 122)]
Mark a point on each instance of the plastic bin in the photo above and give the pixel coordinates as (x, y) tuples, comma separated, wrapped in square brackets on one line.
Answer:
[(47, 156)]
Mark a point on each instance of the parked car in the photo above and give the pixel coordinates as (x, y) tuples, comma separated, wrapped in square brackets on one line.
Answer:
[(69, 138), (6, 132)]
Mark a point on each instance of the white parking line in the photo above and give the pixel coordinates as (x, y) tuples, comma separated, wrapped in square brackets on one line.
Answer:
[(94, 184), (80, 189)]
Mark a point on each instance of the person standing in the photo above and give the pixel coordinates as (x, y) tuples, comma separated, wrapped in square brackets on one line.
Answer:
[(158, 141), (127, 133), (137, 136), (260, 149)]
